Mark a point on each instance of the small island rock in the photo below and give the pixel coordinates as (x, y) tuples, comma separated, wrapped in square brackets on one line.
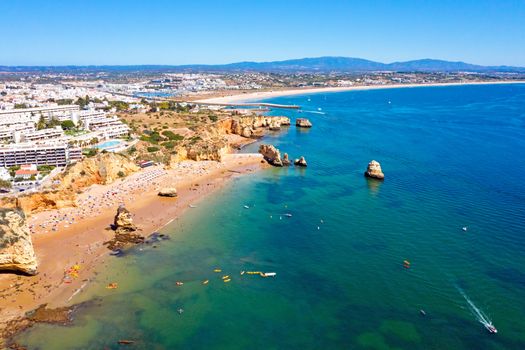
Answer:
[(374, 171), (303, 123), (286, 160), (300, 162)]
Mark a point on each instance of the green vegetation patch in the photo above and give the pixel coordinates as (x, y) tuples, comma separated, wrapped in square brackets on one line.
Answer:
[(172, 136)]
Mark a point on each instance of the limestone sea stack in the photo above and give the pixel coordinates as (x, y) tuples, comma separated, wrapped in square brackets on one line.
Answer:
[(374, 171), (124, 231), (123, 222), (168, 192), (274, 126), (301, 162), (271, 154), (16, 246), (303, 123), (286, 160)]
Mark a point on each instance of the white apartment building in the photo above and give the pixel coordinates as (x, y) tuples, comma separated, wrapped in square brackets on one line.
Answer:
[(7, 133), (39, 135), (46, 154), (111, 127), (84, 116), (35, 113)]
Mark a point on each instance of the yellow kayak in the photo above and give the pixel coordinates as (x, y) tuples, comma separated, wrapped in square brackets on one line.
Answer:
[(227, 280), (225, 277), (217, 270), (205, 282)]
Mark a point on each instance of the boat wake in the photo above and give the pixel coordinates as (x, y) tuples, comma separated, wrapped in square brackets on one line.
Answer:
[(314, 112), (481, 317)]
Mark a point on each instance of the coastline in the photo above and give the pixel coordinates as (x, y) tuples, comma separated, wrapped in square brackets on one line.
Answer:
[(244, 97), (82, 242)]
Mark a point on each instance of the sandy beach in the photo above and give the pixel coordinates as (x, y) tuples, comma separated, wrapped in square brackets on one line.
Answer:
[(261, 95), (75, 236)]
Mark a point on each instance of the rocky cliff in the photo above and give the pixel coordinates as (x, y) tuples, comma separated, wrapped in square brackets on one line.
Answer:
[(252, 126), (103, 169), (211, 143), (16, 246)]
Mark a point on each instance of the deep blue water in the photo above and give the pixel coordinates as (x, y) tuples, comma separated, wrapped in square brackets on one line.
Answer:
[(452, 156)]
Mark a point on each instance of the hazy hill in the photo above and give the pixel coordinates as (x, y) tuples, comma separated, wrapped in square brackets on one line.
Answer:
[(318, 64)]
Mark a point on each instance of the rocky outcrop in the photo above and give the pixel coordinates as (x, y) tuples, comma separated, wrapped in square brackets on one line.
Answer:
[(286, 160), (36, 202), (303, 123), (123, 221), (124, 231), (209, 146), (271, 154), (301, 162), (274, 126), (374, 171), (168, 192), (16, 246), (252, 126)]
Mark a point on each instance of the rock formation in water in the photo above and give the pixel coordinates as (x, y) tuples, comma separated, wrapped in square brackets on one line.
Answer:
[(16, 246), (271, 154), (374, 171), (124, 230), (303, 123), (300, 162), (168, 192), (286, 160), (274, 126)]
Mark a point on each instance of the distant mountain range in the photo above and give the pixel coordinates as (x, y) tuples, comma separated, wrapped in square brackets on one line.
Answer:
[(306, 65)]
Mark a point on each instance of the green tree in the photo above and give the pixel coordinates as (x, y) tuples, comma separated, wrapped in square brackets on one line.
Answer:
[(41, 123), (67, 124), (5, 184)]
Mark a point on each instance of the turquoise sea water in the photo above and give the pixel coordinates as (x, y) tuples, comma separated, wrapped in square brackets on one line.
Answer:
[(453, 157)]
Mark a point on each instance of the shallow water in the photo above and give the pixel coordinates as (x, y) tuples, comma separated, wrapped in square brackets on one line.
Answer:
[(453, 157)]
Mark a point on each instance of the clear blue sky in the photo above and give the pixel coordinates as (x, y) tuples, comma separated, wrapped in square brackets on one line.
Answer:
[(51, 32)]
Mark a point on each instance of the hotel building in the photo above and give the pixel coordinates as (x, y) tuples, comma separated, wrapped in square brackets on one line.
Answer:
[(47, 154)]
